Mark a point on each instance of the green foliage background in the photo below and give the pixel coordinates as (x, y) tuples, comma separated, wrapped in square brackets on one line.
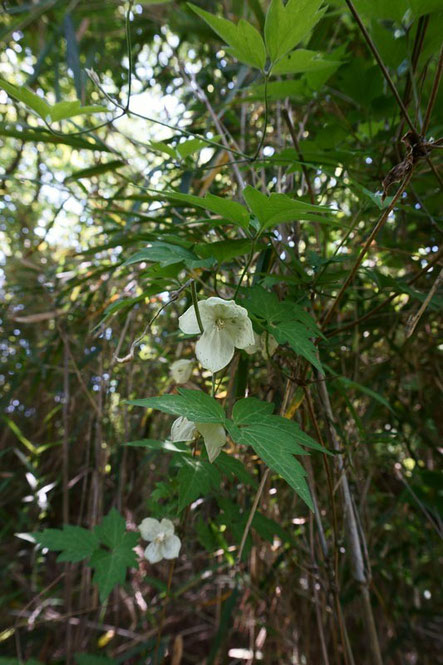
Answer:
[(247, 160)]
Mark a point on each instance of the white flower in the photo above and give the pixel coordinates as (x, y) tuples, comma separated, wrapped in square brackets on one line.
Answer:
[(183, 430), (226, 326), (253, 348), (181, 370), (268, 345), (213, 434), (265, 343), (165, 544)]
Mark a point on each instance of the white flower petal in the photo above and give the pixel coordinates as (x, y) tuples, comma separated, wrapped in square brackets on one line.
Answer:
[(167, 527), (171, 547), (214, 436), (154, 552), (214, 349), (181, 370), (188, 323), (150, 528), (182, 430), (241, 331), (253, 348), (268, 345)]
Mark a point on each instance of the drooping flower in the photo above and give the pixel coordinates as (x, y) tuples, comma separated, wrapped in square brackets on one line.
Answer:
[(226, 326), (181, 370), (213, 434), (265, 343), (164, 544)]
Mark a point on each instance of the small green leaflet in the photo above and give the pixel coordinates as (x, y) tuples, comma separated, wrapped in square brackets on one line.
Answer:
[(278, 208), (224, 250), (286, 25), (48, 113), (230, 210), (196, 478), (246, 43), (74, 542), (111, 564), (197, 406)]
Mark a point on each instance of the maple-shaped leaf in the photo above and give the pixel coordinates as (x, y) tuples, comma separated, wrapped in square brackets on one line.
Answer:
[(73, 542), (111, 562)]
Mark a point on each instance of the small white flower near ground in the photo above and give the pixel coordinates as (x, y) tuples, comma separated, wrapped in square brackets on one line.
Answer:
[(226, 326), (164, 543), (213, 434), (181, 370)]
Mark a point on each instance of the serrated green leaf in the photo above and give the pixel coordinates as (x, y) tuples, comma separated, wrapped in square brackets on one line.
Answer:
[(196, 478), (302, 60), (231, 465), (298, 339), (190, 146), (94, 170), (26, 96), (74, 542), (110, 565), (195, 405), (278, 208), (231, 210), (224, 250), (163, 253), (246, 43), (250, 410), (286, 25)]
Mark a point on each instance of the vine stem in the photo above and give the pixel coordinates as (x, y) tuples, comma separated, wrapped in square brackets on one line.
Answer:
[(381, 64), (380, 224), (195, 303)]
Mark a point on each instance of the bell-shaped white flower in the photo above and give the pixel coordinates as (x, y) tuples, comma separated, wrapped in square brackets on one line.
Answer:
[(268, 345), (182, 430), (226, 326), (265, 343), (253, 348), (164, 544), (181, 370), (213, 434)]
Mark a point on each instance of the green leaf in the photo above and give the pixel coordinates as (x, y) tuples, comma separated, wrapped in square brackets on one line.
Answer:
[(302, 60), (231, 465), (33, 134), (112, 563), (283, 462), (74, 542), (94, 170), (165, 446), (163, 253), (231, 210), (246, 43), (347, 383), (22, 94), (298, 338), (48, 113), (195, 405), (224, 250), (278, 208), (196, 478), (286, 25), (249, 410), (190, 146)]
